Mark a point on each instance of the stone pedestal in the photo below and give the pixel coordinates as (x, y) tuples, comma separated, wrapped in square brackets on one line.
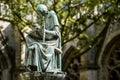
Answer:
[(42, 76)]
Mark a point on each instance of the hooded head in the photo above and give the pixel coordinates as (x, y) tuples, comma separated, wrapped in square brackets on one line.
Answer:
[(42, 9)]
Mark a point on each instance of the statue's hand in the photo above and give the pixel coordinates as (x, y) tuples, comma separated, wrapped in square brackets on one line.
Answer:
[(26, 29), (57, 50), (37, 26), (46, 31)]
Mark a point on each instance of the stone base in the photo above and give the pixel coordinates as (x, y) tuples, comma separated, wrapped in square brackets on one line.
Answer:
[(42, 76)]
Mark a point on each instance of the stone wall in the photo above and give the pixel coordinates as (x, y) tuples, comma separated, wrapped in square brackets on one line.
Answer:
[(10, 50), (113, 36)]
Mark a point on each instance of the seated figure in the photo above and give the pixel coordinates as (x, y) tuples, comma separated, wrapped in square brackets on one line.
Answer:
[(43, 45)]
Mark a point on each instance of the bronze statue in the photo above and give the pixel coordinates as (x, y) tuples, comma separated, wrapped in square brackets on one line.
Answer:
[(45, 51)]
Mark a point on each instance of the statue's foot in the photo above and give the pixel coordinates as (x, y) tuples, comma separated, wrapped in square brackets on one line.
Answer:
[(32, 67), (54, 71)]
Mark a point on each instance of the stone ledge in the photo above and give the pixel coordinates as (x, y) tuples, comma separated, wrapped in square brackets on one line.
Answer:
[(42, 75)]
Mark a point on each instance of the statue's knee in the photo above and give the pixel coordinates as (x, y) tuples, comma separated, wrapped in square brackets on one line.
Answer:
[(35, 45)]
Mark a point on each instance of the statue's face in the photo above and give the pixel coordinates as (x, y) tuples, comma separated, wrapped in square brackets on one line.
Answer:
[(41, 13)]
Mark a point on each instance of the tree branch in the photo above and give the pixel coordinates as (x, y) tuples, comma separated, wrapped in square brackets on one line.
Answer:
[(11, 21), (65, 21), (83, 30), (95, 41)]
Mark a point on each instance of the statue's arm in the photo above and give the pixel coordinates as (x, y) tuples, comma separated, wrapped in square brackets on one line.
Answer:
[(53, 32)]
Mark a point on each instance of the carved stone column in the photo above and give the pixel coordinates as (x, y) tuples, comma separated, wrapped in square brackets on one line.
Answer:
[(88, 68)]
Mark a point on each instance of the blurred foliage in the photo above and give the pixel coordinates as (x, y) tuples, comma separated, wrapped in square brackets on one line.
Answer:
[(73, 16)]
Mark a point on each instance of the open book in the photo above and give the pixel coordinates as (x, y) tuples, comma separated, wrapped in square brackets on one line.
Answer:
[(34, 33)]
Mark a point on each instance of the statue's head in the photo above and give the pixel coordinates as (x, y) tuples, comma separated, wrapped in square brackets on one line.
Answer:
[(42, 9)]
